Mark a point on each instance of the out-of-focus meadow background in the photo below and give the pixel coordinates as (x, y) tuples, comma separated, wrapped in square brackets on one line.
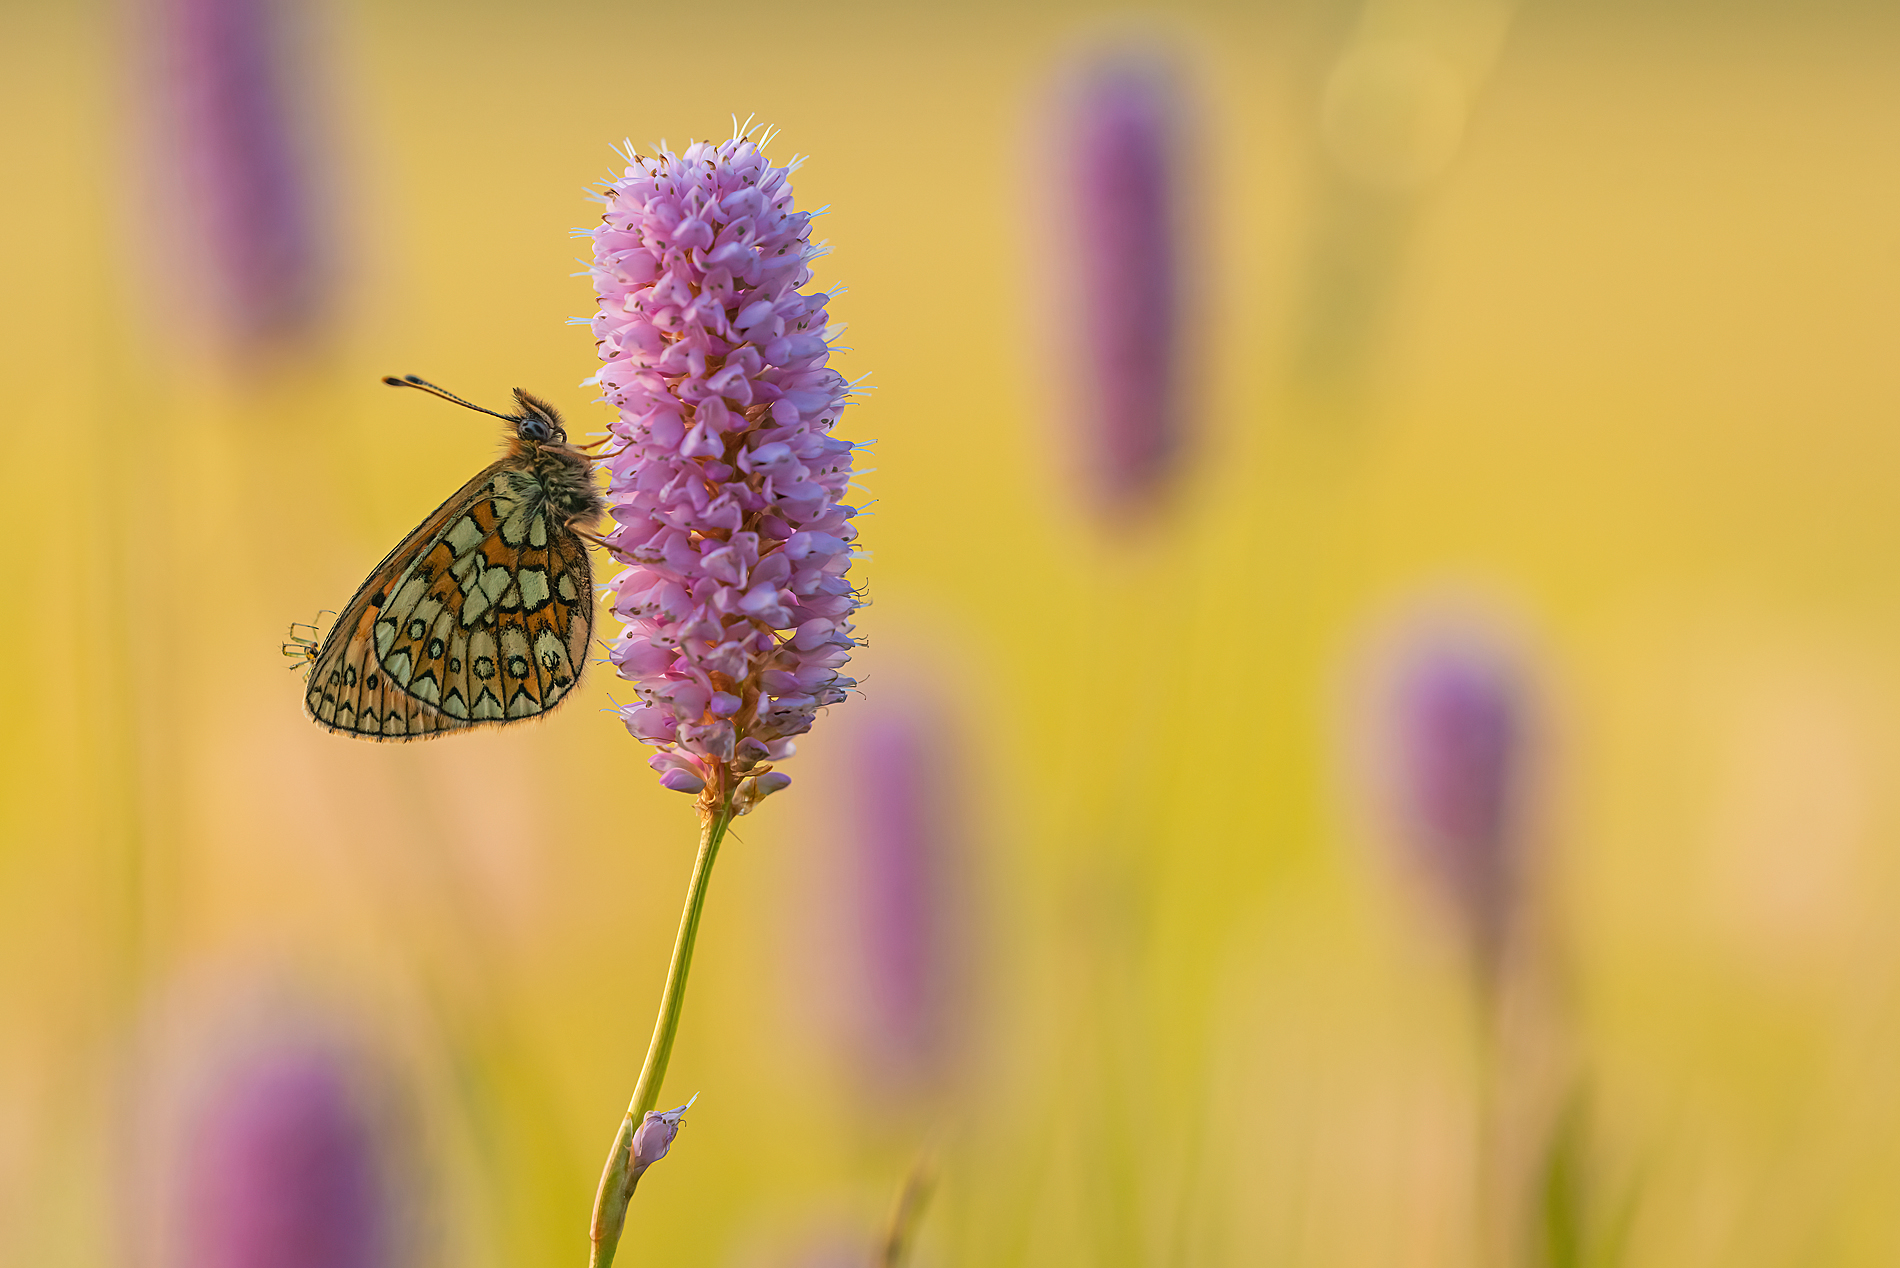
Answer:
[(1556, 340)]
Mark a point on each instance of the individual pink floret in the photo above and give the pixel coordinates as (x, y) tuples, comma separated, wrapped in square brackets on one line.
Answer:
[(727, 487)]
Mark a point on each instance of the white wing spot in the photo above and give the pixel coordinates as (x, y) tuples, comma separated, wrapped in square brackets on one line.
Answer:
[(514, 529), (507, 491), (553, 657), (534, 587), (481, 648), (465, 536), (407, 597)]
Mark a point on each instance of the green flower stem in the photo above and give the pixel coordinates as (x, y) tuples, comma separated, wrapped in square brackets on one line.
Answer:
[(617, 1180)]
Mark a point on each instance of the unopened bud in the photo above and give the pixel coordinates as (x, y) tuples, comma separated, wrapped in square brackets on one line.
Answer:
[(655, 1135)]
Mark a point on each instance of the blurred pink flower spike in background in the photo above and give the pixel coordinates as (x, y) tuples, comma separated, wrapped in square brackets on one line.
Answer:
[(240, 169), (1461, 734), (727, 486), (905, 898), (1126, 286), (285, 1171), (655, 1136)]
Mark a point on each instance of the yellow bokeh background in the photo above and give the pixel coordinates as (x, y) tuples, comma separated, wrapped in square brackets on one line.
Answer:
[(1618, 375)]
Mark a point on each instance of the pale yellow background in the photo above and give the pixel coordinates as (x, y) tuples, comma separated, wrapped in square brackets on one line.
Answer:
[(1634, 392)]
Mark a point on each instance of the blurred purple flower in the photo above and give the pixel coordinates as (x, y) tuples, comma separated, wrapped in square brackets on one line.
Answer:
[(728, 485), (1123, 208), (241, 169), (285, 1172), (1460, 752), (906, 896)]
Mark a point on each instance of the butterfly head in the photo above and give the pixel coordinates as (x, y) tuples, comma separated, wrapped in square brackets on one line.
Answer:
[(537, 422), (538, 447)]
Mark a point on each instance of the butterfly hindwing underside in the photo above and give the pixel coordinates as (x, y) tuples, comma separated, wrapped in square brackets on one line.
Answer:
[(482, 615)]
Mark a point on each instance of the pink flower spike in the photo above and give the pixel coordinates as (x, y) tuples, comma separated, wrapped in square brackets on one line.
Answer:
[(1126, 278), (287, 1170), (1459, 745), (728, 485), (901, 831), (237, 134)]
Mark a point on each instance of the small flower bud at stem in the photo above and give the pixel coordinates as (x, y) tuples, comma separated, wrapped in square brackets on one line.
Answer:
[(655, 1135)]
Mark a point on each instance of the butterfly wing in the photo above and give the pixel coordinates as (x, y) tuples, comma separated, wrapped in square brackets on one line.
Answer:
[(481, 615), (346, 690), (491, 625)]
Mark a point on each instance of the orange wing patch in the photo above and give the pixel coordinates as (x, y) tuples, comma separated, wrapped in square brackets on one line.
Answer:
[(482, 615)]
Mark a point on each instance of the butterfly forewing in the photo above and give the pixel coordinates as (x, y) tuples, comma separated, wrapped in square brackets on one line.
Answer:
[(482, 615)]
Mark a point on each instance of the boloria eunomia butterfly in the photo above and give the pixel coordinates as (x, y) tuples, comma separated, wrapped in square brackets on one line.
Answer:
[(483, 613)]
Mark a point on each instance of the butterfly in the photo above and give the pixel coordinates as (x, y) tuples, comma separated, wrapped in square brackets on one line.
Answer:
[(480, 616)]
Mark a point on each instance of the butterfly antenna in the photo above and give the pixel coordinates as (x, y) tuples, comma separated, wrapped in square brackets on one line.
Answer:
[(410, 380)]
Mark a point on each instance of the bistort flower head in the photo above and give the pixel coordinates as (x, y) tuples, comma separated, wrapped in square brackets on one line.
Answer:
[(286, 1171), (1122, 204), (1461, 733), (904, 875), (728, 485), (238, 155)]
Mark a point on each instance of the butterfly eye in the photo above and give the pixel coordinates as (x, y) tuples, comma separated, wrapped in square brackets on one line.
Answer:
[(533, 429)]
